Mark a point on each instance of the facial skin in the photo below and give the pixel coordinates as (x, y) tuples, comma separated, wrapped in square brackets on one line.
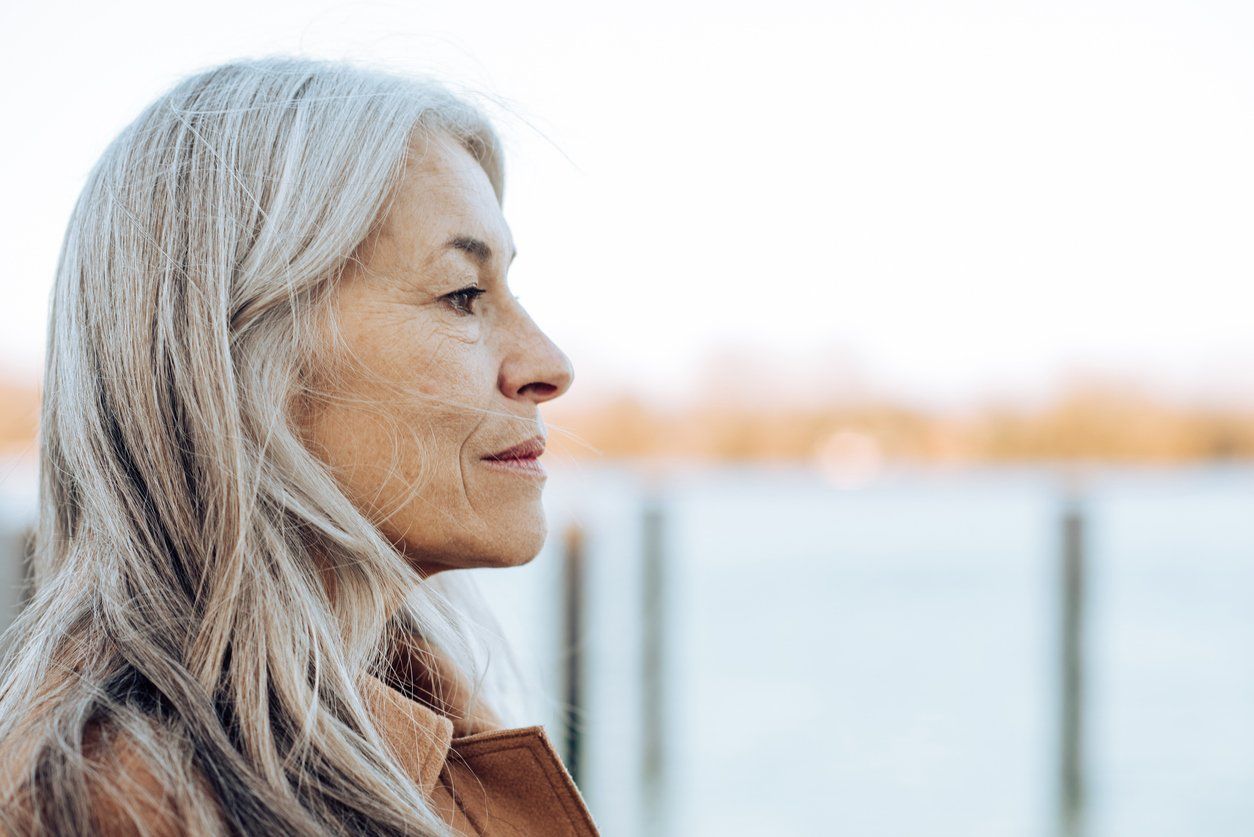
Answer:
[(431, 389)]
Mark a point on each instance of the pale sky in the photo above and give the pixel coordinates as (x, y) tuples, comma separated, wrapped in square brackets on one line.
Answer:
[(937, 202)]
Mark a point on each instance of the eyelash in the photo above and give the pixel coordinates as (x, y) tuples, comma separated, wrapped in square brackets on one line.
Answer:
[(473, 292)]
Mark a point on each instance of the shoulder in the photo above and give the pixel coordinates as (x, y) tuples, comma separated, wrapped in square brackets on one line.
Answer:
[(120, 783), (140, 783)]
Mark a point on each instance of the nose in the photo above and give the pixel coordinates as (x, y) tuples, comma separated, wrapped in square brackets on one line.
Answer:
[(537, 370)]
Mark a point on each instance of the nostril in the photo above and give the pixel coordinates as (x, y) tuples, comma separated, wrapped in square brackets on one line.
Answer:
[(540, 388)]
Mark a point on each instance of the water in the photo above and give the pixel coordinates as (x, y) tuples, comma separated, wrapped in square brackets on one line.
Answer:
[(884, 661)]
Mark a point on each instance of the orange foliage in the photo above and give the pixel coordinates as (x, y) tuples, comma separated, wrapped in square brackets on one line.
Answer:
[(1082, 425)]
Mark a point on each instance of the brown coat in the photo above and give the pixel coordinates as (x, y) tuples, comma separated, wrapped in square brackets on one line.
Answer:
[(484, 779)]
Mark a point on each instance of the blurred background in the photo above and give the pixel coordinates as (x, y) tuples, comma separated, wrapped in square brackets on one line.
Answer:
[(906, 485)]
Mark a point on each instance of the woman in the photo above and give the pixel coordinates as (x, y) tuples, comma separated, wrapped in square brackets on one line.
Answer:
[(287, 387)]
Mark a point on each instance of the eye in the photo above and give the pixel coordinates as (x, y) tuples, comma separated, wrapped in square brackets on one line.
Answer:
[(463, 300)]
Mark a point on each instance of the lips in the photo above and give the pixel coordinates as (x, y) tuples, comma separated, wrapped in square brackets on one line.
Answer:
[(530, 449)]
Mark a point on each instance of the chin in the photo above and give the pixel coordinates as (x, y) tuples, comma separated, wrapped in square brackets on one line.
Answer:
[(511, 545), (518, 545)]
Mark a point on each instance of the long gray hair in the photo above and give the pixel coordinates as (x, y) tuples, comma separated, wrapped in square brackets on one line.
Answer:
[(176, 600)]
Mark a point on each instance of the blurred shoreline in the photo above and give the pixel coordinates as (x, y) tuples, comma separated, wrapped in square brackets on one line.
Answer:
[(1117, 426), (1083, 424)]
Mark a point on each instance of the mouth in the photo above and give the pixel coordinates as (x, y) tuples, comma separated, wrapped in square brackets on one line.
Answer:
[(522, 459), (529, 449)]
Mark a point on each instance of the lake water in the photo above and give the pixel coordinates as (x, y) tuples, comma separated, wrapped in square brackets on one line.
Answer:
[(884, 661)]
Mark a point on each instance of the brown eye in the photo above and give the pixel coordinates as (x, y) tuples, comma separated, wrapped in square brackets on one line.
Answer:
[(463, 300)]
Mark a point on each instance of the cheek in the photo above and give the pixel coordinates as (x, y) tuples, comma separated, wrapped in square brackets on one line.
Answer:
[(404, 410), (441, 390)]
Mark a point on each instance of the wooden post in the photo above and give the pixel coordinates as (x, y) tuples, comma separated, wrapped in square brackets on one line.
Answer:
[(1071, 721), (16, 582), (573, 649), (653, 675)]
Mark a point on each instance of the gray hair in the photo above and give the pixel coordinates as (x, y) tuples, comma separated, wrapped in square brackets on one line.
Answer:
[(176, 601)]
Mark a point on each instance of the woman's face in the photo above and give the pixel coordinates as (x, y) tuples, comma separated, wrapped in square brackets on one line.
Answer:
[(433, 379)]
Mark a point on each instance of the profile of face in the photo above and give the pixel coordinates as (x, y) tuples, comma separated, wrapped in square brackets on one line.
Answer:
[(440, 367)]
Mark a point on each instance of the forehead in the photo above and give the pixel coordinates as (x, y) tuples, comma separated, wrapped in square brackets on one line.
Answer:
[(443, 193)]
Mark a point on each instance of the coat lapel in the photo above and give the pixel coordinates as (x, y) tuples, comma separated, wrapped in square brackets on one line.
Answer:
[(511, 781), (418, 737), (483, 778)]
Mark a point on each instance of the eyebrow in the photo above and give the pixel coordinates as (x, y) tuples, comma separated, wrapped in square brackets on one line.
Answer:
[(476, 248)]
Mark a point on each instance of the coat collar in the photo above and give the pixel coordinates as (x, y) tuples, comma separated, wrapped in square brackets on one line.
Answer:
[(423, 707)]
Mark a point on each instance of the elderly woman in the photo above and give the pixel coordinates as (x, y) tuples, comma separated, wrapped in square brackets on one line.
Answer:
[(287, 387)]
